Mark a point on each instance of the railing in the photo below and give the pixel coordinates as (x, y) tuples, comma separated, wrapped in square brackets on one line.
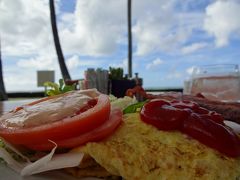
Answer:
[(26, 94), (163, 89), (42, 94)]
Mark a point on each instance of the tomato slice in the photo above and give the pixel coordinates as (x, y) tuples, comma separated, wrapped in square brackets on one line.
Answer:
[(97, 134), (63, 129)]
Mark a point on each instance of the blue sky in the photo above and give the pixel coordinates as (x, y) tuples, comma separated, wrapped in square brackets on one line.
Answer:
[(169, 38)]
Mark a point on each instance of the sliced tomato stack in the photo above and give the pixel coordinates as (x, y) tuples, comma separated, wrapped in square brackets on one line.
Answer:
[(93, 122)]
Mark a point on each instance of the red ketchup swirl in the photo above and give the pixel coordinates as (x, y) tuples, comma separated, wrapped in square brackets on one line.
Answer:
[(201, 124)]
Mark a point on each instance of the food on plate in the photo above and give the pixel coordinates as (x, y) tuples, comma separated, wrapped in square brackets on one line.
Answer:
[(140, 151), (206, 126), (229, 110), (90, 168), (69, 120), (154, 139)]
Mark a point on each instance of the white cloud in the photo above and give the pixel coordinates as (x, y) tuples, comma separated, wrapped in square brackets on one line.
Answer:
[(96, 27), (22, 79), (39, 62), (159, 27), (222, 20), (74, 62), (174, 75), (155, 64), (23, 75), (193, 47), (25, 27), (21, 82), (124, 64), (174, 72), (190, 70)]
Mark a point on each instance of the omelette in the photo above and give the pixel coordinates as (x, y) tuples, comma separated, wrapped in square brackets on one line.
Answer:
[(140, 151)]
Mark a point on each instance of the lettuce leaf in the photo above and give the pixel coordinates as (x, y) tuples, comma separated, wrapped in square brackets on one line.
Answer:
[(55, 89), (134, 107)]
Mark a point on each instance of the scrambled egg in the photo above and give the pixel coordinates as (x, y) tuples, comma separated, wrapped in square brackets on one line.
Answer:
[(140, 151)]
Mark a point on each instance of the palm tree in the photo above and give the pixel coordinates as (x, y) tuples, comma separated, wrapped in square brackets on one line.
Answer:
[(61, 61), (129, 7), (3, 94)]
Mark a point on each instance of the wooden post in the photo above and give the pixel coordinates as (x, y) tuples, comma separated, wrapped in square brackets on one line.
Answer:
[(61, 61), (129, 7), (3, 94)]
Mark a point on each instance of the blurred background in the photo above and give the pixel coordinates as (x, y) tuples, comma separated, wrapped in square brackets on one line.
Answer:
[(169, 39)]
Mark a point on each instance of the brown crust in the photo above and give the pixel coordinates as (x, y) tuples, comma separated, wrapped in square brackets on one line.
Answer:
[(96, 171), (90, 168)]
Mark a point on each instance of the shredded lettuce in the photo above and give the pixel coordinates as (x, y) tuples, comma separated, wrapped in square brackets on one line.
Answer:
[(15, 154), (122, 103), (48, 162), (127, 104), (112, 98)]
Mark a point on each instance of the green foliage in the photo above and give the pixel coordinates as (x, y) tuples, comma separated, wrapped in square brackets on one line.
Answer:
[(134, 107), (116, 73), (55, 89)]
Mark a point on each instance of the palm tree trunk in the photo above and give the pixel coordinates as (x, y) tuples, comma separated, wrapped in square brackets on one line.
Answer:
[(61, 61), (3, 94), (129, 7)]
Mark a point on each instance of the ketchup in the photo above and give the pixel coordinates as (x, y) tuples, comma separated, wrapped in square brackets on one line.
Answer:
[(188, 117)]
